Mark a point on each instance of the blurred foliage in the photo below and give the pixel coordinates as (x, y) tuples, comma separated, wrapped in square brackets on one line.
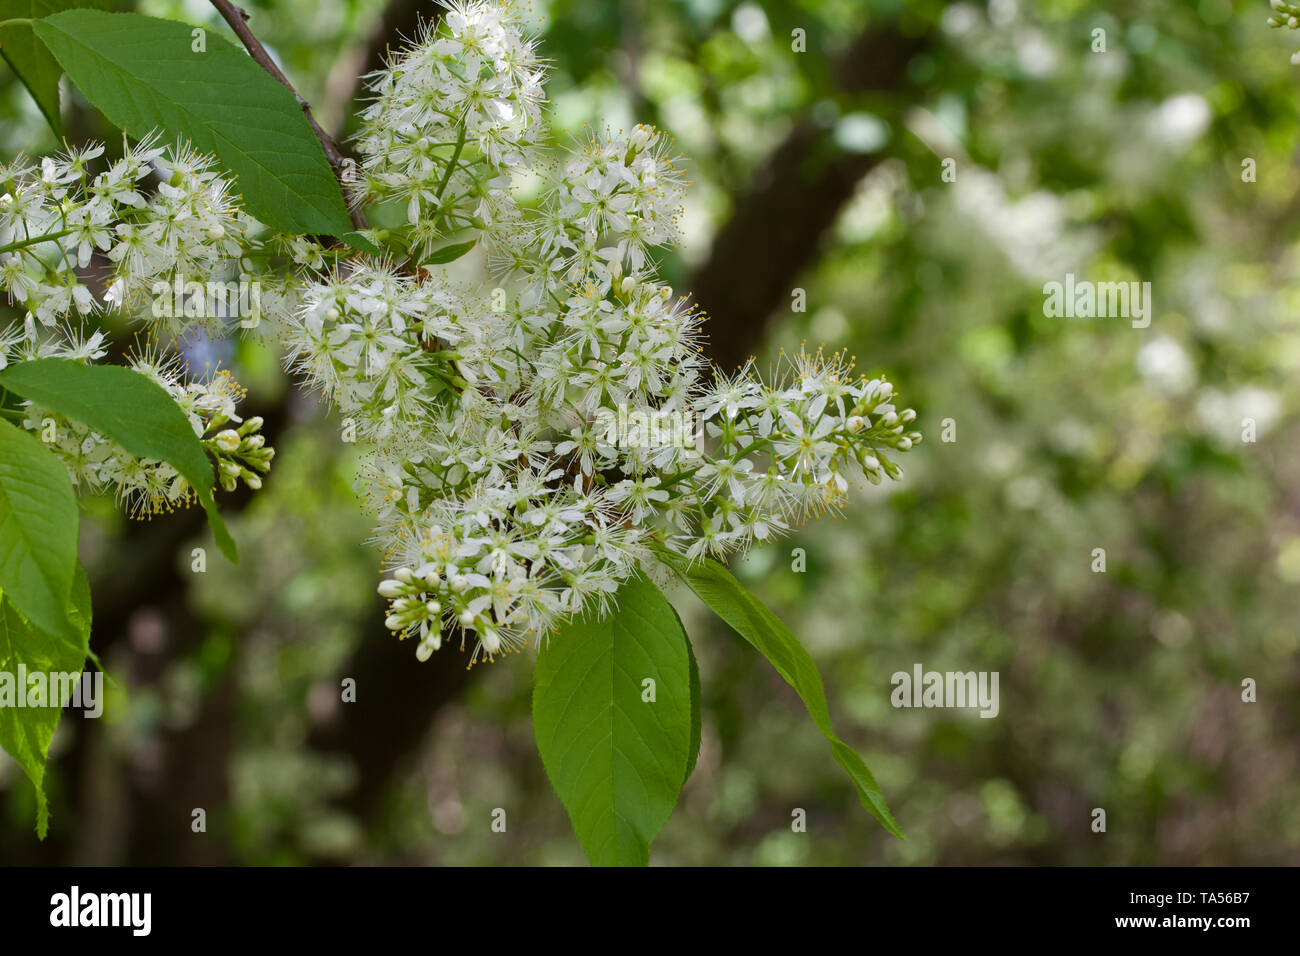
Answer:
[(1119, 690)]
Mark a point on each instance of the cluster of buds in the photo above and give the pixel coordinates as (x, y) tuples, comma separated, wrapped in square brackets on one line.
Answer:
[(241, 454), (413, 607)]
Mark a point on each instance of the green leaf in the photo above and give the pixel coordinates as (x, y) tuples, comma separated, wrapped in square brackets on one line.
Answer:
[(27, 56), (617, 762), (449, 253), (143, 74), (26, 732), (132, 410), (38, 529), (751, 619)]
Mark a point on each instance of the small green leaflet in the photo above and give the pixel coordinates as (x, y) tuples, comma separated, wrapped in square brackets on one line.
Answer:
[(617, 761), (26, 732), (449, 253), (751, 619), (144, 73), (38, 529), (132, 410)]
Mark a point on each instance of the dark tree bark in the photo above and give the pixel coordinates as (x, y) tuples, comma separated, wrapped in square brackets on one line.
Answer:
[(779, 221)]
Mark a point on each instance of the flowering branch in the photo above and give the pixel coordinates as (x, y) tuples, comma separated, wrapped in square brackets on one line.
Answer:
[(531, 443)]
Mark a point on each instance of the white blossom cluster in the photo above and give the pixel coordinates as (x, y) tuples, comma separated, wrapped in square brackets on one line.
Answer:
[(505, 502), (450, 119), (152, 215), (509, 489), (54, 215)]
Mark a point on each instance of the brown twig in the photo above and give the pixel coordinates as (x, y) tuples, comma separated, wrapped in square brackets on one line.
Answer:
[(238, 20)]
